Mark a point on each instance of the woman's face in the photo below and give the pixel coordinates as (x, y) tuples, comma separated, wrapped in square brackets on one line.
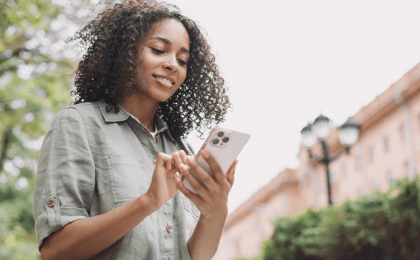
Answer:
[(163, 57)]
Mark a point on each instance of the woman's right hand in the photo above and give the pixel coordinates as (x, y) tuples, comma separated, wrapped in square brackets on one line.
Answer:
[(92, 235), (163, 186)]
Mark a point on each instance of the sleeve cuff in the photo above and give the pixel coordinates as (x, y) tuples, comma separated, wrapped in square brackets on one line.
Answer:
[(55, 218)]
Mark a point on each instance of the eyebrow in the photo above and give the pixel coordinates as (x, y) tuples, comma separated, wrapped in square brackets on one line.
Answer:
[(168, 42)]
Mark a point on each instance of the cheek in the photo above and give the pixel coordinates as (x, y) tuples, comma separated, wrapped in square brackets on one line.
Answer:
[(147, 61)]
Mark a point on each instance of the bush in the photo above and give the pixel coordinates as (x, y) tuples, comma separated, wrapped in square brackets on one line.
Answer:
[(381, 225)]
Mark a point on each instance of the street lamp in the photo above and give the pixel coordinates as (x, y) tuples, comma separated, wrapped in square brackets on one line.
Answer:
[(348, 134)]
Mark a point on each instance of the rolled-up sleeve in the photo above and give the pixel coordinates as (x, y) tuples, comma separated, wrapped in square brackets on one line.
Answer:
[(65, 177)]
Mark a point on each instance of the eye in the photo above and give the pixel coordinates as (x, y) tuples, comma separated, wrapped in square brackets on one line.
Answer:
[(183, 62), (157, 51)]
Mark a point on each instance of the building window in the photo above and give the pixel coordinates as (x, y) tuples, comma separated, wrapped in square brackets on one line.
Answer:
[(402, 133), (390, 177), (358, 163), (344, 171), (407, 169), (371, 154), (386, 144)]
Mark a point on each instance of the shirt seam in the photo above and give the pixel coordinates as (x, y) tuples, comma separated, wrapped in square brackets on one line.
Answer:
[(100, 195), (89, 141)]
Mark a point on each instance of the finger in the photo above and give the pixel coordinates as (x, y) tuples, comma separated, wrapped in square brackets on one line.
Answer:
[(200, 190), (162, 160), (189, 194), (177, 176), (166, 159), (214, 166), (230, 175), (177, 158), (205, 178), (175, 171), (168, 164), (183, 156)]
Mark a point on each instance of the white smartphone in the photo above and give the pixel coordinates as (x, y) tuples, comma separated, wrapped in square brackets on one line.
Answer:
[(224, 145)]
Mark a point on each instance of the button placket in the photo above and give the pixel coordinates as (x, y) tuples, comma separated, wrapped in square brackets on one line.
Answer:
[(166, 213), (168, 228)]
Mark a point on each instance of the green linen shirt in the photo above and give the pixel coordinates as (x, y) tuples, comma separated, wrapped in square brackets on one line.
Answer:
[(93, 161)]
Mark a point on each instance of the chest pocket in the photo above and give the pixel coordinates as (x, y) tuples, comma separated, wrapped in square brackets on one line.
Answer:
[(129, 178)]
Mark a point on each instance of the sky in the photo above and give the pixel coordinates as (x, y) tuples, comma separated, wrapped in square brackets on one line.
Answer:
[(285, 62)]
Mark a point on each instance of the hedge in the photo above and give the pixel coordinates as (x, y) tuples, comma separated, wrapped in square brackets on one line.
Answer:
[(381, 225)]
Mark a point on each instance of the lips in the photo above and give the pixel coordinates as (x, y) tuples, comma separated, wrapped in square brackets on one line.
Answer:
[(165, 81)]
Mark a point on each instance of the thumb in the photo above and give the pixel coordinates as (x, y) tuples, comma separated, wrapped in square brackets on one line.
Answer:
[(164, 160), (230, 175)]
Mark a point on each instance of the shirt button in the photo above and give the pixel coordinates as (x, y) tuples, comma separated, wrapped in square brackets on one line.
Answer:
[(169, 228), (50, 203), (157, 139), (154, 161)]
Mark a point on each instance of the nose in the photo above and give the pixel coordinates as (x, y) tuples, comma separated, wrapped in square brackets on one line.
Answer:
[(170, 63)]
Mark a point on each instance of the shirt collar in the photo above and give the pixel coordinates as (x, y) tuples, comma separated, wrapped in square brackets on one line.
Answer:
[(162, 127), (123, 115)]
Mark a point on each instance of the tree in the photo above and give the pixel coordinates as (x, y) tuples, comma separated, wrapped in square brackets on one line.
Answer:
[(35, 83)]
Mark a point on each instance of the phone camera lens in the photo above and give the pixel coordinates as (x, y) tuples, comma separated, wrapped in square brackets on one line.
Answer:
[(220, 134), (215, 141), (226, 139)]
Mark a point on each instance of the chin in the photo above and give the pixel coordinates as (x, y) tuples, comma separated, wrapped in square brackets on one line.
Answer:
[(156, 94), (163, 98)]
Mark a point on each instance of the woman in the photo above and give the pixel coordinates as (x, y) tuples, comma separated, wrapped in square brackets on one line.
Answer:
[(111, 165)]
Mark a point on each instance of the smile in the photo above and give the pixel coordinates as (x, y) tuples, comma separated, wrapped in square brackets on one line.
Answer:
[(167, 83)]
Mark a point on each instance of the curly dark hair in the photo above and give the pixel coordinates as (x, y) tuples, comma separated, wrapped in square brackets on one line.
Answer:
[(108, 67)]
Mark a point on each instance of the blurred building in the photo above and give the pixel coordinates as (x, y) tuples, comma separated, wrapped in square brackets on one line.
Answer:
[(388, 149)]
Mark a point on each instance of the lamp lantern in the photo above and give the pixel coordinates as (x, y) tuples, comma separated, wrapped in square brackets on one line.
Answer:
[(308, 136), (348, 133), (321, 127)]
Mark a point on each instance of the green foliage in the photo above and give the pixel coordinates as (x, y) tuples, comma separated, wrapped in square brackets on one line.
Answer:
[(375, 226), (35, 84)]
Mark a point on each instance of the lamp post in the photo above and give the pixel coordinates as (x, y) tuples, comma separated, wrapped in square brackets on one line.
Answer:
[(348, 134)]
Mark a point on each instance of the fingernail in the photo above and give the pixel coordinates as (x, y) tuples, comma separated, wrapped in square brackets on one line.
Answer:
[(205, 154), (183, 167), (188, 160)]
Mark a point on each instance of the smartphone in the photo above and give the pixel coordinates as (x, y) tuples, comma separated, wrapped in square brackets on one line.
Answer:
[(224, 145)]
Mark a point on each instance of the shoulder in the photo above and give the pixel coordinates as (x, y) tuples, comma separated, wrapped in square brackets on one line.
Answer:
[(85, 109), (78, 113), (78, 109)]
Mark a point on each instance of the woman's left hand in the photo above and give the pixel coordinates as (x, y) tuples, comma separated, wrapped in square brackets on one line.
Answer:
[(210, 199)]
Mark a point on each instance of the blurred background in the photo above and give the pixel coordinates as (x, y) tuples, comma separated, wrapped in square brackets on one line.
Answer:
[(284, 62)]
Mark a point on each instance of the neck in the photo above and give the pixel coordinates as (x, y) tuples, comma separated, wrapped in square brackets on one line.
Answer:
[(141, 107)]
